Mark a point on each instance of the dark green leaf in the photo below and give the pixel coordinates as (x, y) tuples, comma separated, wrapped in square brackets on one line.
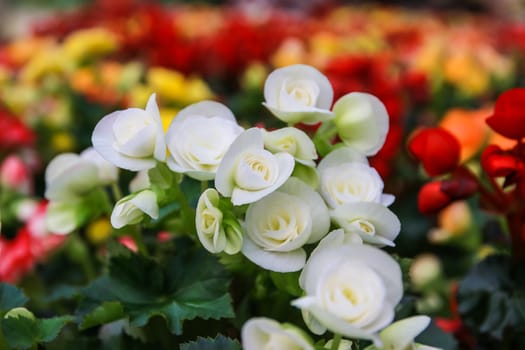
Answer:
[(49, 328), (22, 332), (104, 313), (10, 297), (192, 284), (434, 336), (219, 343), (287, 282)]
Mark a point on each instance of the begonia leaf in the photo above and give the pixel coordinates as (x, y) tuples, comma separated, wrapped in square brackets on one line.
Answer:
[(10, 297), (191, 284), (219, 343)]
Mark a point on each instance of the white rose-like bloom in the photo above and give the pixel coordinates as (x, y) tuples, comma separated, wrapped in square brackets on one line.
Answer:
[(350, 289), (63, 217), (362, 122), (294, 141), (214, 233), (262, 333), (248, 172), (68, 176), (198, 137), (278, 225), (132, 208), (400, 335), (373, 222), (298, 94), (131, 139), (107, 172), (346, 178)]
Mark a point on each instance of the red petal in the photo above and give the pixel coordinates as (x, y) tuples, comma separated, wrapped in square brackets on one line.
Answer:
[(431, 198), (437, 149), (509, 114)]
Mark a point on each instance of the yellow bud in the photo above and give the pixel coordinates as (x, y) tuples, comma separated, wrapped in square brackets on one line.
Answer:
[(99, 230)]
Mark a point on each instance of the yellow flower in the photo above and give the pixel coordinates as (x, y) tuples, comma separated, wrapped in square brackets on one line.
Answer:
[(62, 142), (173, 86), (52, 61), (89, 42), (465, 72), (99, 230), (166, 116), (291, 51)]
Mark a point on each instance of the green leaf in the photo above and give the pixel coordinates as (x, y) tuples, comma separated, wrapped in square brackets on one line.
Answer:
[(10, 297), (22, 332), (191, 284), (105, 313), (287, 282), (490, 299), (219, 343)]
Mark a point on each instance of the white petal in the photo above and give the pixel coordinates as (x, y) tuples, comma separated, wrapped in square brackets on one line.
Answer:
[(333, 323), (340, 156), (319, 211), (146, 201), (400, 334), (103, 139), (385, 222), (274, 261), (249, 139), (285, 163), (305, 115), (362, 121), (152, 109)]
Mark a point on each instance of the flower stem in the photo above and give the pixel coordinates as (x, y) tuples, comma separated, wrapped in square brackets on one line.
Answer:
[(336, 341), (187, 212), (117, 193), (137, 237)]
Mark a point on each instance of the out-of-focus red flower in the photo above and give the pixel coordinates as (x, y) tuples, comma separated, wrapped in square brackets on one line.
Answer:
[(15, 174), (31, 245), (436, 195), (14, 132), (509, 114), (129, 242), (498, 163), (431, 198), (437, 149)]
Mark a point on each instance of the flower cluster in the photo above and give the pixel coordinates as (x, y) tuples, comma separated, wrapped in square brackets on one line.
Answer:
[(272, 200)]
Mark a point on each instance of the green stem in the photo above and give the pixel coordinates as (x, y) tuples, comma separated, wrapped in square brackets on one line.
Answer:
[(187, 212), (139, 241), (117, 193), (204, 186), (336, 341)]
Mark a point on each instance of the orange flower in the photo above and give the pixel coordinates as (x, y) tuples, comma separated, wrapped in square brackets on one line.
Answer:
[(469, 128)]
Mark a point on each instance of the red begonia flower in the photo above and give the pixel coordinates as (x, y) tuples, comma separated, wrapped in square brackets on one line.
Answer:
[(498, 163), (508, 118), (431, 198), (437, 149)]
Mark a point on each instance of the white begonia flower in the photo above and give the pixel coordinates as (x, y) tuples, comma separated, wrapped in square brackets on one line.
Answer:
[(141, 181), (68, 176), (262, 333), (343, 180), (373, 222), (362, 122), (248, 172), (131, 139), (298, 94), (63, 217), (198, 138), (350, 289), (400, 335), (278, 225), (132, 208), (294, 141), (215, 232), (345, 344), (107, 172)]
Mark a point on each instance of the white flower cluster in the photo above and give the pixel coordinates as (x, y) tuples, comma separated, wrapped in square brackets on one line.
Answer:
[(272, 197)]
